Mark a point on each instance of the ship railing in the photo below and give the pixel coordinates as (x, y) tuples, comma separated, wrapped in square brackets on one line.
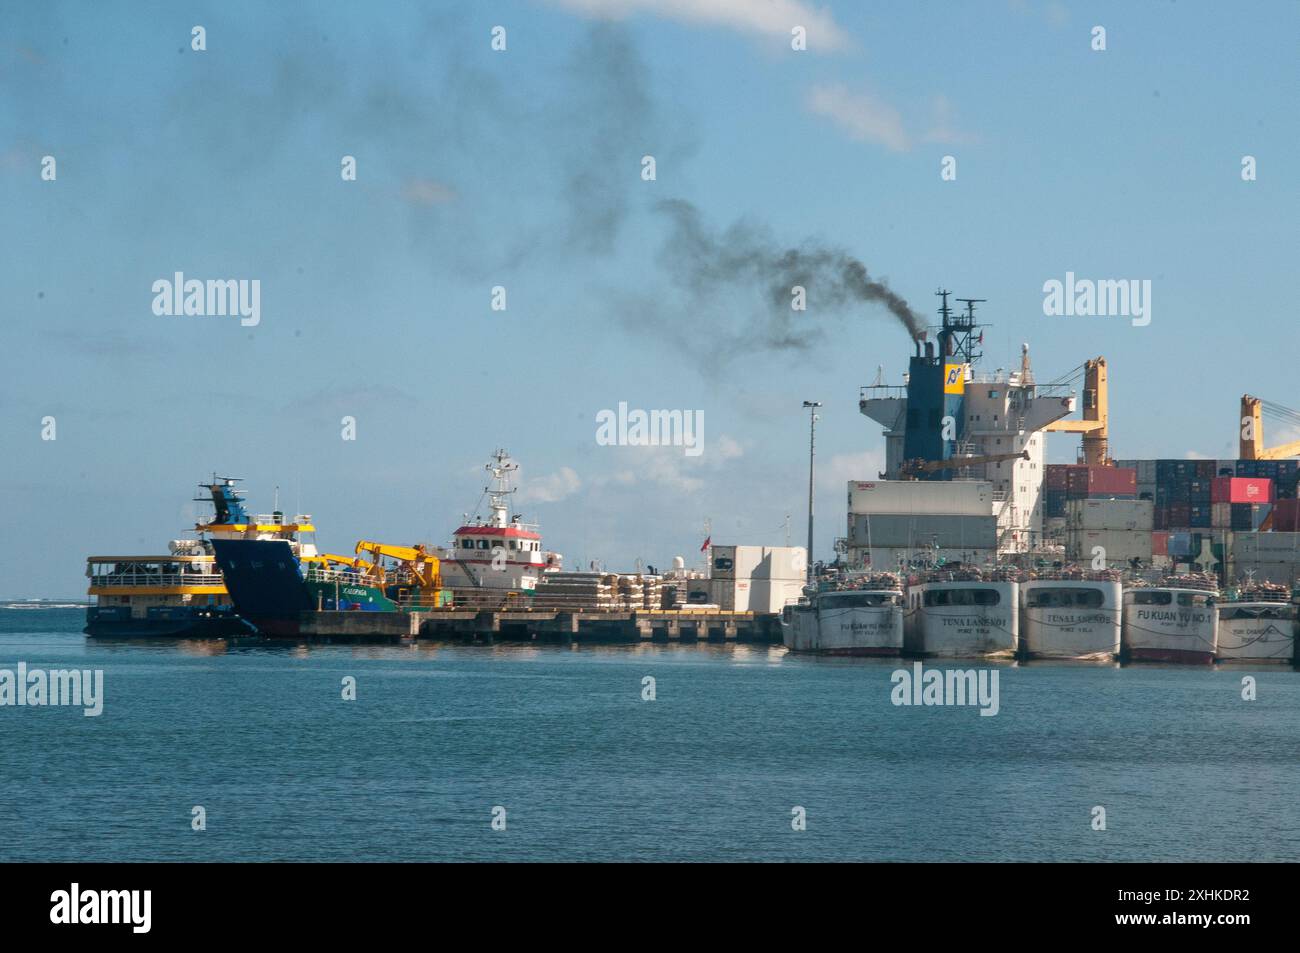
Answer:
[(345, 576), (881, 392), (157, 579)]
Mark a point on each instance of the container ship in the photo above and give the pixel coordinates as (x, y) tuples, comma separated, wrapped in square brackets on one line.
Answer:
[(183, 594), (1100, 559)]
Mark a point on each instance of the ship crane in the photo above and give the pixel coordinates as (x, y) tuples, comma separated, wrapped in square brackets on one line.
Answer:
[(423, 566), (1252, 430), (1096, 416), (910, 469)]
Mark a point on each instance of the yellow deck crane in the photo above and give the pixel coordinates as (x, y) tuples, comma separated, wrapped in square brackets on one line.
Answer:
[(1252, 430), (422, 568), (1096, 416), (373, 572)]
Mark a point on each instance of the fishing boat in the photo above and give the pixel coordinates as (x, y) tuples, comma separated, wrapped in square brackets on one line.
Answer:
[(963, 613), (1257, 623), (1071, 614), (856, 615), (1173, 621)]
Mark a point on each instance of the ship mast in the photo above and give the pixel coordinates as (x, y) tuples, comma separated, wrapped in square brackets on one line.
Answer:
[(501, 467)]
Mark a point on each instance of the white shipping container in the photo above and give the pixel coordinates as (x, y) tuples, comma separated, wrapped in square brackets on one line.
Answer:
[(758, 562), (772, 595), (1111, 514), (1118, 546), (921, 497), (1279, 545)]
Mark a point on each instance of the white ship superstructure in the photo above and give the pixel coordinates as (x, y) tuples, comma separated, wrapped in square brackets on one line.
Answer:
[(501, 551), (958, 424)]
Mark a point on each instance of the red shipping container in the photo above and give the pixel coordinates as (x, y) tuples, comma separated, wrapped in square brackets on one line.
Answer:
[(1101, 481), (1055, 479), (1159, 544), (1242, 490), (1286, 516)]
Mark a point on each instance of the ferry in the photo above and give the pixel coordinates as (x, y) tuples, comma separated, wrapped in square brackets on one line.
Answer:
[(1257, 623), (860, 616), (1174, 621), (1071, 614), (962, 613), (182, 594)]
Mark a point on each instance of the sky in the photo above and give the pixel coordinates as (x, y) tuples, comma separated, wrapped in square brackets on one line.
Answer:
[(523, 169)]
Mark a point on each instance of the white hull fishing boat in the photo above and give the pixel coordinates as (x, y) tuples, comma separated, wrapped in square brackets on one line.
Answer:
[(859, 617), (1173, 622), (963, 614), (1071, 615), (1257, 624)]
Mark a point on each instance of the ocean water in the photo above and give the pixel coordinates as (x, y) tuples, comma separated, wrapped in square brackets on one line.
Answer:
[(736, 739)]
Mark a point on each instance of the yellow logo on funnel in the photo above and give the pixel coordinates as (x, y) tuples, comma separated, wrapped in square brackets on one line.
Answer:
[(954, 378)]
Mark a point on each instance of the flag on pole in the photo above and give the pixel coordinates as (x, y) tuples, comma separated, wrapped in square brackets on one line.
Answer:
[(707, 541)]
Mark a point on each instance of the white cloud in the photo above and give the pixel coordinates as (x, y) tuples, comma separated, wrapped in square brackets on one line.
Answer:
[(836, 472), (426, 192), (868, 118), (770, 18), (729, 449), (552, 488), (861, 115)]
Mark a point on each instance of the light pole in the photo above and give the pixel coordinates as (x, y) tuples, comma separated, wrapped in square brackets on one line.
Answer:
[(812, 406)]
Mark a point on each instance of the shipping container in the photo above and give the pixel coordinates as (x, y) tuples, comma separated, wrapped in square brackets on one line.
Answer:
[(922, 531), (1248, 516), (1284, 545), (1086, 481), (1111, 514), (758, 562), (1054, 503), (1159, 544), (1054, 477), (1242, 490), (1286, 516), (915, 497), (1117, 547), (1221, 515), (1179, 544)]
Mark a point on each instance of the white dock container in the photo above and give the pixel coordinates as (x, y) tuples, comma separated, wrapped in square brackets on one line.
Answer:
[(1110, 514), (1117, 546), (918, 497), (922, 531)]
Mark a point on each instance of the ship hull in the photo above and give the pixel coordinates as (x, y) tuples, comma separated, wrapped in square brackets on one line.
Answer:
[(265, 583), (180, 623), (963, 619), (1181, 629), (845, 631), (1070, 619), (1259, 632)]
